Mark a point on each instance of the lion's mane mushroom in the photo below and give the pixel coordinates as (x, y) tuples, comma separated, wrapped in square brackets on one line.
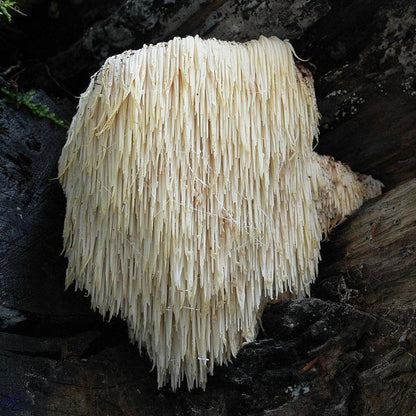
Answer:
[(193, 194)]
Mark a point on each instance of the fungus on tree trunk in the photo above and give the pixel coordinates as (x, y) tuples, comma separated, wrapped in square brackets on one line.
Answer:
[(194, 195)]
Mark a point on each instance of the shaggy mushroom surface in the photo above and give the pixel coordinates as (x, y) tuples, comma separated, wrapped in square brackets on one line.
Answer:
[(194, 195)]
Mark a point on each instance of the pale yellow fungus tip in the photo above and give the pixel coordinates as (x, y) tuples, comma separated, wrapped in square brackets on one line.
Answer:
[(193, 194)]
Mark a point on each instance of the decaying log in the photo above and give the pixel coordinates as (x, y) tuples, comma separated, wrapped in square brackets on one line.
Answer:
[(371, 264), (374, 252), (349, 350)]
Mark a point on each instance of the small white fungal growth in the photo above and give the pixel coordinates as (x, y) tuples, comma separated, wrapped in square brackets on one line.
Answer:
[(193, 194)]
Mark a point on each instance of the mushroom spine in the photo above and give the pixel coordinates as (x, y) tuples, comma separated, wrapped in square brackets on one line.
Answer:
[(193, 195)]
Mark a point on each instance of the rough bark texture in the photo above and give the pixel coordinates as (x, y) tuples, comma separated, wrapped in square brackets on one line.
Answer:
[(348, 350)]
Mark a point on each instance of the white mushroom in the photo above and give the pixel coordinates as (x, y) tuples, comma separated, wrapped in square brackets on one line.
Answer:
[(193, 194)]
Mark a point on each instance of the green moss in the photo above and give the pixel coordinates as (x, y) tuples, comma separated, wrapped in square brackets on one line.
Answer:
[(18, 99), (8, 6)]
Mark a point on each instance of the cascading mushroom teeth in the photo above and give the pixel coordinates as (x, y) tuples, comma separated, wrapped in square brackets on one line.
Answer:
[(193, 195)]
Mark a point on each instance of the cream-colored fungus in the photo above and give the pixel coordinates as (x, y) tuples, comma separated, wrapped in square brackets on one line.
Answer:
[(193, 194)]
